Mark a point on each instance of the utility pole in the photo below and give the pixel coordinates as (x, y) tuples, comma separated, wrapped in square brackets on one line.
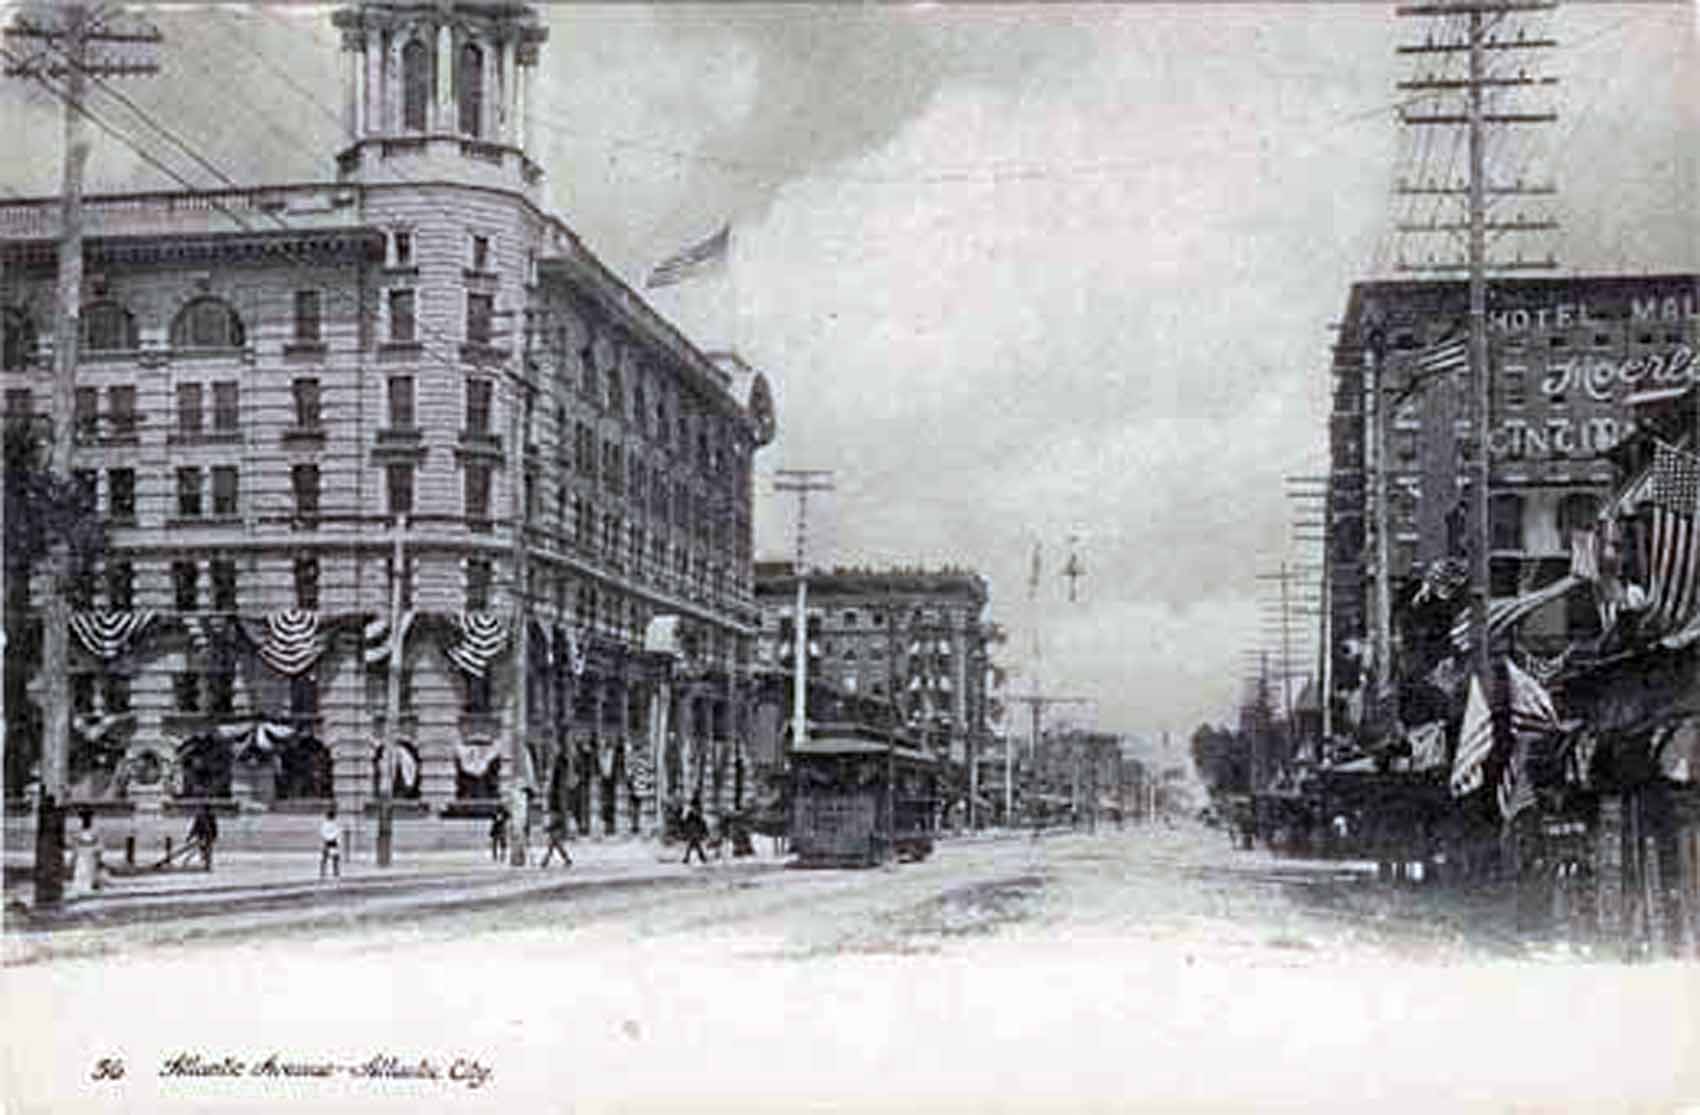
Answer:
[(1311, 495), (1483, 36), (518, 815), (66, 53), (1036, 704), (1284, 577), (392, 700), (802, 481)]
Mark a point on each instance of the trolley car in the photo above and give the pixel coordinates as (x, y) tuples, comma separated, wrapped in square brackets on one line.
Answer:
[(859, 798)]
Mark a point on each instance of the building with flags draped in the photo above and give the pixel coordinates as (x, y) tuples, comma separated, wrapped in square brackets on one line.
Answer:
[(1582, 749), (1568, 358), (399, 419), (914, 644)]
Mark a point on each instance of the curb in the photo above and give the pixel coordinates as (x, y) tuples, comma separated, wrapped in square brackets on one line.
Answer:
[(318, 898)]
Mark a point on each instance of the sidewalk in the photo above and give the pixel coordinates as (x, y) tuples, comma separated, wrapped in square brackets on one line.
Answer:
[(261, 880)]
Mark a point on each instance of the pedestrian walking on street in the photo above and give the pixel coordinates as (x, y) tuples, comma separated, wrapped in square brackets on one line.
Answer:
[(557, 839), (203, 831), (330, 839), (85, 866), (499, 834), (695, 831)]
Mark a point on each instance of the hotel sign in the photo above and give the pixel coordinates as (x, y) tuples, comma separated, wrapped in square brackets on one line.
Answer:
[(1603, 379), (1671, 309)]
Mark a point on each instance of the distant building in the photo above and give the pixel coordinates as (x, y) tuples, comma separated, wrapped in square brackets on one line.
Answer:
[(913, 642), (282, 387)]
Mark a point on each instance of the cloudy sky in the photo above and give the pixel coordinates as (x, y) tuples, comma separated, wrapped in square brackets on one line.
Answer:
[(1017, 273)]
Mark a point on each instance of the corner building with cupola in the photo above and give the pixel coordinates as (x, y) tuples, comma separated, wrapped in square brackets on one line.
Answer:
[(404, 414)]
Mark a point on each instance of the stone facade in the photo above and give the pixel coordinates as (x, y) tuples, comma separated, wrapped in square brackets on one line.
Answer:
[(281, 389), (915, 641)]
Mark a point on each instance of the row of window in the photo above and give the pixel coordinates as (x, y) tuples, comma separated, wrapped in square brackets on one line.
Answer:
[(216, 587), (210, 691)]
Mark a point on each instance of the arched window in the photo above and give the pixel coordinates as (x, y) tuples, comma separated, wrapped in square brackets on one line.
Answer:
[(19, 341), (417, 85), (207, 323), (1576, 512), (1505, 522), (470, 84), (108, 327)]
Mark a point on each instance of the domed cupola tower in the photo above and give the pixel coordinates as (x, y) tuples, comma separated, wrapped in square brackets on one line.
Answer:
[(439, 91)]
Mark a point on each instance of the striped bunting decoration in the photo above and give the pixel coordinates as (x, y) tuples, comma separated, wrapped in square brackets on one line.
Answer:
[(106, 635), (576, 653), (1506, 614), (640, 771), (292, 643), (480, 637)]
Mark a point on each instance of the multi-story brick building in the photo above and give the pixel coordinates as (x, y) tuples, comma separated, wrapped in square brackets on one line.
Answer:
[(1565, 355), (912, 640), (283, 389)]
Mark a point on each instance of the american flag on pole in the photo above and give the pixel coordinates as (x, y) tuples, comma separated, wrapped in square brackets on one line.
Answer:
[(1532, 712), (688, 263), (1673, 549)]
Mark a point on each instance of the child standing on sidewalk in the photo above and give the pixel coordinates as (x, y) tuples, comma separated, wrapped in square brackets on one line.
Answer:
[(330, 836)]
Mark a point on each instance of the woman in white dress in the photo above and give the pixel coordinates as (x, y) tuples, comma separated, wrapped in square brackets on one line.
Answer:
[(85, 864)]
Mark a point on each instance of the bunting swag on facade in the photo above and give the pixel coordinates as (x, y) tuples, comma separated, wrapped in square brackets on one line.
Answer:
[(576, 654), (106, 635), (292, 643), (376, 636), (640, 771), (480, 637), (1475, 743), (1506, 614), (1673, 547), (475, 759)]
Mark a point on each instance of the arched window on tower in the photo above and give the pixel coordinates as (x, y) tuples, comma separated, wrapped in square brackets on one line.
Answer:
[(416, 83), (470, 84)]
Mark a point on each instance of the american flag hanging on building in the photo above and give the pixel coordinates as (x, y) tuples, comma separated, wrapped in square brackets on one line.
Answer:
[(1450, 355), (1673, 550)]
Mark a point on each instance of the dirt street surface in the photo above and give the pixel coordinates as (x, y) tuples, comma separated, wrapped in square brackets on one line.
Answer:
[(1147, 970)]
